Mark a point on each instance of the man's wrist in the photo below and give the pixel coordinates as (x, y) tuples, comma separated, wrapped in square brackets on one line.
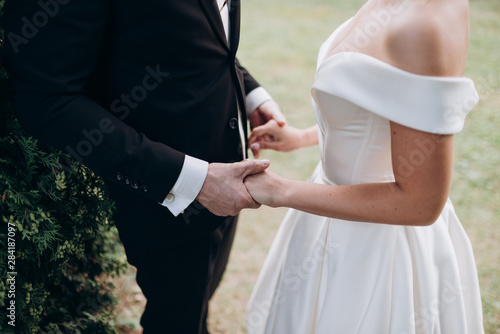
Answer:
[(188, 185), (255, 99)]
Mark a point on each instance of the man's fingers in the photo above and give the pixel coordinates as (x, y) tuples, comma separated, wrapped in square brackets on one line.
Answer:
[(254, 167), (280, 118), (277, 116), (251, 203), (255, 205), (271, 110), (224, 193)]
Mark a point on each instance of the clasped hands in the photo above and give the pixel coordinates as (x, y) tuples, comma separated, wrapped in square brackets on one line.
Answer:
[(231, 187)]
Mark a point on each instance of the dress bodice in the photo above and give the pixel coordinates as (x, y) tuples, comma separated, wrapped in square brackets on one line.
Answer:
[(356, 95)]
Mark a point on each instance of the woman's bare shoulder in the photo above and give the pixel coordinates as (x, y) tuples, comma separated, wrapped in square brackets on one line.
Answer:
[(430, 39)]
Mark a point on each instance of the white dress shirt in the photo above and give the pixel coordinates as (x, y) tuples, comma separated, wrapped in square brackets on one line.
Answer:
[(194, 171)]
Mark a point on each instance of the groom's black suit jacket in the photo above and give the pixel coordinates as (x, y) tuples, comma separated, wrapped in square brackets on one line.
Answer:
[(130, 87)]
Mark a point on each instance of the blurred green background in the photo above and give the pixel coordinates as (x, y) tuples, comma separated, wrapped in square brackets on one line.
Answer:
[(279, 44)]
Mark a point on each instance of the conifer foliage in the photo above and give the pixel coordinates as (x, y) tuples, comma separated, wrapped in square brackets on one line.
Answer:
[(57, 242)]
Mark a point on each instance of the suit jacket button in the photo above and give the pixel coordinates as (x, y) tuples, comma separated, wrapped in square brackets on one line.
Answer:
[(233, 123), (128, 180), (144, 188), (119, 176), (135, 184)]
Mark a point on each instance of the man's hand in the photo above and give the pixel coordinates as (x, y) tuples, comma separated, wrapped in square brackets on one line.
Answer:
[(265, 112), (224, 193)]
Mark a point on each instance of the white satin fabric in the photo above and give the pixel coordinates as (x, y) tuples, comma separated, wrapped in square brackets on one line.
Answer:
[(330, 276)]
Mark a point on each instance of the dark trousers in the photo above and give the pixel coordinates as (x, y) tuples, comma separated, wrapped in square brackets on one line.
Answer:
[(179, 282)]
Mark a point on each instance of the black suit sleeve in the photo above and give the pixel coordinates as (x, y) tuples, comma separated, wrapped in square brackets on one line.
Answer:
[(50, 58), (249, 82)]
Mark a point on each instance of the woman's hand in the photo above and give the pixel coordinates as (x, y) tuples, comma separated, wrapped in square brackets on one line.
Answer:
[(266, 188), (281, 138)]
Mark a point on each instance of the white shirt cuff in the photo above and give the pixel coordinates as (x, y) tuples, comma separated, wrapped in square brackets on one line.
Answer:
[(188, 185), (255, 98)]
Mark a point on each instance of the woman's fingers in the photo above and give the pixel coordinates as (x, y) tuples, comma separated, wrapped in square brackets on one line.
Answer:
[(268, 136), (255, 147), (264, 145), (267, 130)]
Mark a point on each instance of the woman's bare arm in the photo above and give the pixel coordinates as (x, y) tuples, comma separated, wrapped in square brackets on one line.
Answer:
[(416, 197)]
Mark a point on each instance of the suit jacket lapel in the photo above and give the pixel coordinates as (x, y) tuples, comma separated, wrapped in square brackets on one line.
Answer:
[(234, 24), (213, 14)]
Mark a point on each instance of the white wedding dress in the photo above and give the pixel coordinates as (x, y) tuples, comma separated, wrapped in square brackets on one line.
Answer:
[(331, 276)]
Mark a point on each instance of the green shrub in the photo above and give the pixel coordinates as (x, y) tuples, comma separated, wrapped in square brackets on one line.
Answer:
[(56, 229)]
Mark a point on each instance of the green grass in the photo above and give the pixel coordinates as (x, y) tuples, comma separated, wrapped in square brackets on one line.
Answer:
[(279, 44)]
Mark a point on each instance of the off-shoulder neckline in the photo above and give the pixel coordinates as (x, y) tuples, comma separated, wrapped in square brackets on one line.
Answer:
[(331, 57)]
